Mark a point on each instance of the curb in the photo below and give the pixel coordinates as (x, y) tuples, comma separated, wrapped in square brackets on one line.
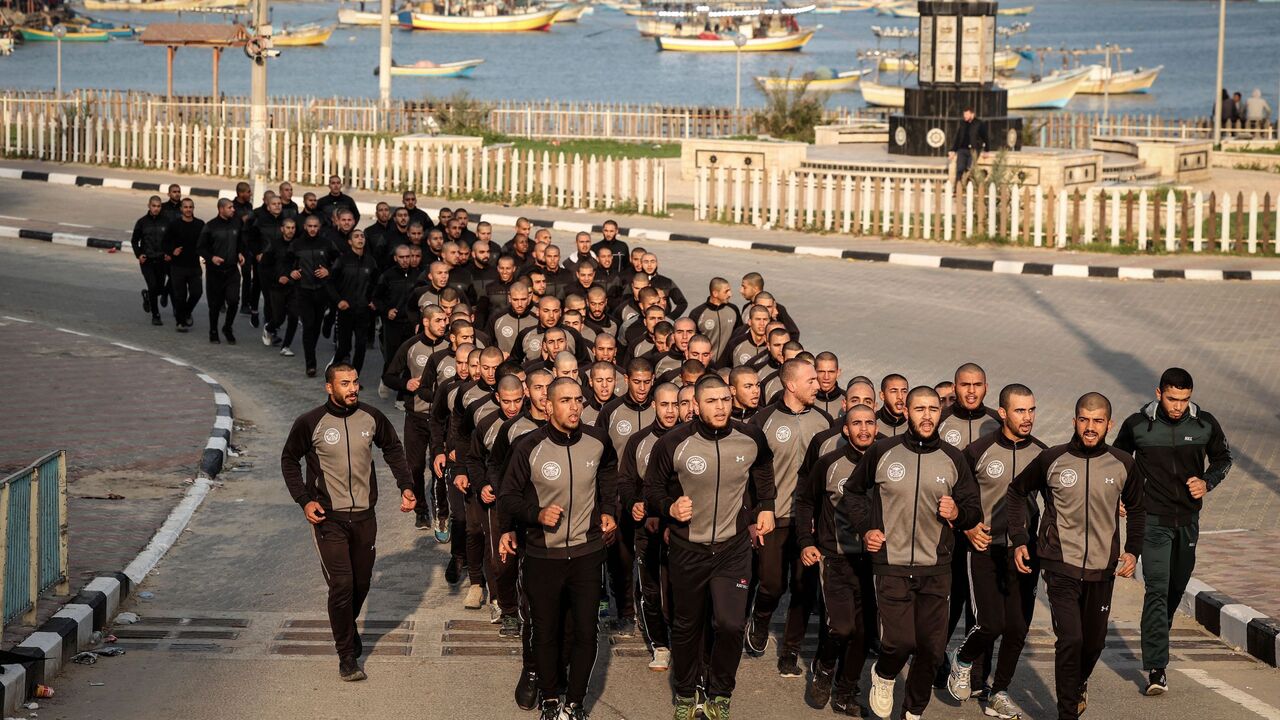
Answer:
[(1234, 623), (918, 260), (71, 629)]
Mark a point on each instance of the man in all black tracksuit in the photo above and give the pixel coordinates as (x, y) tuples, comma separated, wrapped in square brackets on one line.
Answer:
[(709, 479), (148, 247), (391, 297), (1084, 483), (1003, 599), (338, 494), (963, 422), (788, 426), (1182, 454), (561, 487), (351, 289), (905, 497), (650, 550), (311, 257), (260, 235), (222, 246), (335, 200), (182, 249), (968, 143), (828, 541)]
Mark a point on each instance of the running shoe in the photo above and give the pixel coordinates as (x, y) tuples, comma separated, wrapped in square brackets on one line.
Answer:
[(442, 530), (881, 698), (686, 708), (1002, 706), (789, 666), (146, 301), (844, 701), (155, 320), (422, 522), (453, 572), (574, 711), (230, 336), (624, 627), (475, 598), (1157, 682), (255, 319), (757, 638), (527, 691), (266, 337), (510, 626), (349, 670), (661, 661), (819, 690), (716, 708), (286, 352), (958, 678), (550, 710), (495, 614)]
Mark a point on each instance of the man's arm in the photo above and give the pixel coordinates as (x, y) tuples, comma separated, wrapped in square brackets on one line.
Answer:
[(661, 484), (386, 438), (1124, 439), (135, 240), (607, 479), (1219, 456), (808, 495), (857, 493), (1028, 482), (966, 496), (296, 447), (1135, 513), (512, 503), (762, 487), (397, 371), (678, 302)]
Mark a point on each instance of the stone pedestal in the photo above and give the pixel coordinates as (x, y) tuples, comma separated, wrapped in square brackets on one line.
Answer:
[(747, 154)]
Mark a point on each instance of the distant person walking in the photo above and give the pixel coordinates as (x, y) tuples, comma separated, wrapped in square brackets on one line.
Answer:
[(338, 494), (968, 144)]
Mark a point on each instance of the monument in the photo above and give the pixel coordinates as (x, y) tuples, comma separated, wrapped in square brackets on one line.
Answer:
[(957, 70)]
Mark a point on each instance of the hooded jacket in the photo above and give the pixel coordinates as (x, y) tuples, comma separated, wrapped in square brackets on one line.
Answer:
[(1168, 453)]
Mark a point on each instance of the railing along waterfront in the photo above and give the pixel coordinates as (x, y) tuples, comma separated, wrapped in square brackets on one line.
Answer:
[(33, 530), (1145, 219)]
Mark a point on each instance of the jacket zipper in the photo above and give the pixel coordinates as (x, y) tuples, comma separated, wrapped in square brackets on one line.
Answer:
[(350, 491), (915, 513), (568, 525), (715, 504), (1084, 567), (1014, 469)]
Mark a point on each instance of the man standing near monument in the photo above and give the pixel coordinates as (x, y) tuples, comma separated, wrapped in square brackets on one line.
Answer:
[(968, 144)]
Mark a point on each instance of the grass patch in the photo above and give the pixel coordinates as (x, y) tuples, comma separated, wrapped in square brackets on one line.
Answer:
[(1273, 150), (586, 148)]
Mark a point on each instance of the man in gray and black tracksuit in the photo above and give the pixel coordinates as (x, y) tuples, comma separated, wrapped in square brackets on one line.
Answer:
[(403, 374), (828, 541), (472, 404), (717, 318), (710, 478), (561, 487), (650, 550), (1182, 454), (1002, 598), (788, 426), (1084, 483), (338, 494), (905, 497)]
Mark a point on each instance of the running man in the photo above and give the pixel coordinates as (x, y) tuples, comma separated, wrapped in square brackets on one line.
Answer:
[(338, 495)]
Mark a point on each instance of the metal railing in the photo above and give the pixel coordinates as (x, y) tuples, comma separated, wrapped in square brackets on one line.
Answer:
[(33, 535)]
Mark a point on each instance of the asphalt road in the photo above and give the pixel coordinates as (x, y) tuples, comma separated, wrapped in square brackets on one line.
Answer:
[(231, 630)]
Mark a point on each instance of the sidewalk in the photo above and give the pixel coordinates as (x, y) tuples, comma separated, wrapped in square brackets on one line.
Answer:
[(681, 226), (133, 427)]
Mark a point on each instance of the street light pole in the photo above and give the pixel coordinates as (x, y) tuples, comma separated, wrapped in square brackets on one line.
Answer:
[(384, 58), (258, 104), (738, 41), (59, 31), (1217, 95)]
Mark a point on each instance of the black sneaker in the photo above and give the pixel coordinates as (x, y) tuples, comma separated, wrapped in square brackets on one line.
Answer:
[(422, 522), (181, 328), (155, 320), (844, 701), (1157, 683), (164, 299), (254, 319), (230, 336), (819, 691), (624, 627), (213, 338), (574, 711), (311, 372), (510, 627), (146, 301), (527, 691), (453, 572), (550, 710), (349, 670), (789, 666), (757, 639)]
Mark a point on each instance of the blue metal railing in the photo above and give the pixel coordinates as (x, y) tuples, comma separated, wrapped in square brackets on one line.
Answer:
[(33, 530)]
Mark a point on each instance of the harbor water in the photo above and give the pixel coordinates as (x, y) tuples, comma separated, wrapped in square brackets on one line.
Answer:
[(603, 58)]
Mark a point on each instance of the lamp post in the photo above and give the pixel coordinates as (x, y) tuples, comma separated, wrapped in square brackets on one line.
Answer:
[(738, 40), (1217, 95), (59, 32), (384, 57), (258, 98)]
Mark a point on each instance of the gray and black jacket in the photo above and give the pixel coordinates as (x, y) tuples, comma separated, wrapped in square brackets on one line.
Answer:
[(896, 488), (475, 460), (505, 326), (1168, 453), (472, 403), (741, 348), (1083, 489), (528, 344), (576, 471), (996, 461), (717, 322), (888, 424), (508, 433), (959, 427), (728, 473), (623, 417), (788, 434), (633, 463), (438, 420), (821, 518), (337, 444), (409, 360)]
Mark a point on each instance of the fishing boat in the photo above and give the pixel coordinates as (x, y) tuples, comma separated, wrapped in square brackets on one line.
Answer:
[(1016, 11), (570, 12), (160, 5), (1044, 94), (1006, 62), (308, 35), (712, 43), (537, 19), (426, 68), (818, 82), (36, 35), (1128, 82), (351, 16)]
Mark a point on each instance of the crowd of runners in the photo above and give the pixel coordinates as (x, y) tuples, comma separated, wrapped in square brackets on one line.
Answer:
[(584, 441)]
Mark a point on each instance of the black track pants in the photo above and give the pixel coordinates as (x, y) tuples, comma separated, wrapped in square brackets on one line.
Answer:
[(564, 594), (621, 566), (311, 305), (654, 592), (417, 442), (222, 293), (778, 570), (843, 646), (1080, 611), (185, 287), (155, 272), (710, 587), (913, 625), (347, 550), (995, 589)]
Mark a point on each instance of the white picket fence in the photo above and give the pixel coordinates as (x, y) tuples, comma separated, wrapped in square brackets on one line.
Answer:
[(929, 210), (500, 174)]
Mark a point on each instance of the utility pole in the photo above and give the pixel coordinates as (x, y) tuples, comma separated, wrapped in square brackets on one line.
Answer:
[(1217, 95), (384, 59), (258, 101)]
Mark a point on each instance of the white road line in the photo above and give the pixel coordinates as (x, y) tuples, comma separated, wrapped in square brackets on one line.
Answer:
[(1233, 694), (12, 217), (1223, 532), (174, 361), (73, 332), (17, 319), (75, 225), (128, 347)]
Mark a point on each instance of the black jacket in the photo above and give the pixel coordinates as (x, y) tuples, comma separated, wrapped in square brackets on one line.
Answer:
[(1169, 453), (353, 280), (970, 136), (185, 235), (148, 236), (307, 254), (221, 238)]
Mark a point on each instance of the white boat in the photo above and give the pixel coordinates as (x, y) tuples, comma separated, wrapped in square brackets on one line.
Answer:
[(820, 82), (1127, 82), (1046, 94), (726, 44), (351, 16)]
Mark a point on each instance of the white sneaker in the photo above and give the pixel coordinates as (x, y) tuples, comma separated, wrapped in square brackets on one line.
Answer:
[(495, 614), (266, 337), (1002, 706), (881, 696), (475, 598), (384, 392), (286, 352), (911, 716), (958, 680), (661, 660)]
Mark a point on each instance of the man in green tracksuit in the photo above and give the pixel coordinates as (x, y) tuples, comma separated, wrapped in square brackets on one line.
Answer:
[(1182, 454)]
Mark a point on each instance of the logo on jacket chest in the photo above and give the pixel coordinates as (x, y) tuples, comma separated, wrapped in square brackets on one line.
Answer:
[(783, 434), (421, 360), (507, 331), (952, 437), (332, 436), (535, 343), (449, 371), (1068, 478), (995, 469), (551, 471), (896, 472), (709, 324), (623, 427), (696, 465)]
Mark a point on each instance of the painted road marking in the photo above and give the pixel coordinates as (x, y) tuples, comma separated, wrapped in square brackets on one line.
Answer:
[(72, 332), (1233, 694)]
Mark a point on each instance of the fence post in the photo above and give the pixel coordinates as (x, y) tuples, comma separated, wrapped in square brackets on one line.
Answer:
[(789, 221), (866, 205), (757, 213), (1224, 240), (1253, 222), (701, 186), (737, 195), (1115, 218), (908, 190), (1037, 232), (948, 210), (1143, 228), (64, 586), (1060, 224), (33, 547), (1170, 220), (775, 198), (4, 538), (926, 203)]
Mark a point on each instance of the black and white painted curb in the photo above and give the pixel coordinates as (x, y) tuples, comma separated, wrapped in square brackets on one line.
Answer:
[(1235, 623), (71, 629), (919, 260)]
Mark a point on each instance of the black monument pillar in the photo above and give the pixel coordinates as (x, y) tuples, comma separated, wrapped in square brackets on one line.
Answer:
[(956, 70)]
